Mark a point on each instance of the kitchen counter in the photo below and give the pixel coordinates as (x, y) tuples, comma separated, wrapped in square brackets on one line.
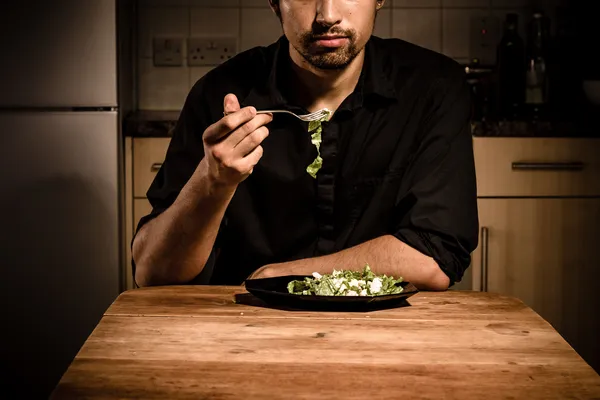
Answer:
[(162, 124), (220, 342), (150, 123), (541, 129)]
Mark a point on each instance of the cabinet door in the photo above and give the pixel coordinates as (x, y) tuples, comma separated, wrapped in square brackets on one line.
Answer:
[(547, 253), (148, 156)]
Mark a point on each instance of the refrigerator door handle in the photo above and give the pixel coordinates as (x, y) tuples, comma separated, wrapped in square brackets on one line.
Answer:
[(484, 258)]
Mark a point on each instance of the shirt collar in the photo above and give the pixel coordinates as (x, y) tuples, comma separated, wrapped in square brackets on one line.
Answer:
[(376, 74), (373, 79)]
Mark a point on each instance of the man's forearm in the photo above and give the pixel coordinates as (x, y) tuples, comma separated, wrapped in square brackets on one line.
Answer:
[(174, 247), (385, 255)]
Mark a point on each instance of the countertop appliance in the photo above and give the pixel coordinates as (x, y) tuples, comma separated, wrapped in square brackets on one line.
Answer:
[(60, 213)]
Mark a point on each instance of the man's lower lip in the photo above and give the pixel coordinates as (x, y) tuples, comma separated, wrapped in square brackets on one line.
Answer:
[(336, 42)]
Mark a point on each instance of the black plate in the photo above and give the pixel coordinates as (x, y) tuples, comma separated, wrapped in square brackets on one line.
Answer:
[(274, 292)]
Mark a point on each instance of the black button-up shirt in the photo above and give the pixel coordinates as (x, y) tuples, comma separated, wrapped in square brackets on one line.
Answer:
[(397, 159)]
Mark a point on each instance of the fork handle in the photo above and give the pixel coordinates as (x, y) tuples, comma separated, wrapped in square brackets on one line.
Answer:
[(263, 112), (273, 111)]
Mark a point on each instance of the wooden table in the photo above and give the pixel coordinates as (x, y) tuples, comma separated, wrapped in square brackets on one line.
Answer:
[(195, 342)]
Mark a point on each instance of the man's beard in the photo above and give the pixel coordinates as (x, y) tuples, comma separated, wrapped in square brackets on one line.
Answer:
[(328, 58)]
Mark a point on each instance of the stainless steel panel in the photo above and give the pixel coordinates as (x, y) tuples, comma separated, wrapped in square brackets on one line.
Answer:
[(59, 53), (59, 240)]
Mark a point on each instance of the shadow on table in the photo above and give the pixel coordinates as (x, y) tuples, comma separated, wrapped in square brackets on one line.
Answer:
[(251, 300)]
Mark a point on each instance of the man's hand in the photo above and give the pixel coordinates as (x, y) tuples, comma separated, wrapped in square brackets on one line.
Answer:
[(232, 145), (174, 247)]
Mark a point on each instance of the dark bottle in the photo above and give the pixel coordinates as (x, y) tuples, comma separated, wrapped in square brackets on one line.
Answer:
[(511, 69), (536, 92)]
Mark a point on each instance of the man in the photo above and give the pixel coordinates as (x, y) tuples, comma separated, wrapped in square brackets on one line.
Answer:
[(396, 188)]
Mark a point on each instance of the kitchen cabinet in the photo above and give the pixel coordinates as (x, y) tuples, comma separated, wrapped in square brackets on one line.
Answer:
[(143, 159), (537, 167), (539, 216), (148, 156), (544, 251)]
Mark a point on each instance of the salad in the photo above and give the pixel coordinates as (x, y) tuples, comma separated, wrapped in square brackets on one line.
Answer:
[(316, 129), (347, 283)]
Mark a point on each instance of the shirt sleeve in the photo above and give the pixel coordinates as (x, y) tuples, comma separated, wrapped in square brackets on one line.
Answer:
[(437, 212), (183, 155)]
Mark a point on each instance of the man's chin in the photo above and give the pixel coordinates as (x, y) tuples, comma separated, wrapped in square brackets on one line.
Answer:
[(330, 66), (329, 63), (330, 60)]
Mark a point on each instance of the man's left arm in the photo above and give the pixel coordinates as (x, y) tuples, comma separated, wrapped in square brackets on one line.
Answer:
[(435, 222), (385, 255)]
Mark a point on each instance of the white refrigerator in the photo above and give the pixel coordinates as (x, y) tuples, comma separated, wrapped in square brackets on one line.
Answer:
[(60, 199)]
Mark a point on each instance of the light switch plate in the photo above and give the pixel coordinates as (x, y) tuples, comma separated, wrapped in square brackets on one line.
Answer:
[(167, 51), (210, 50)]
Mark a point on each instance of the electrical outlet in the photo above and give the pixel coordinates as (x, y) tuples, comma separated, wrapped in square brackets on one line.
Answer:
[(168, 52), (210, 51), (485, 36)]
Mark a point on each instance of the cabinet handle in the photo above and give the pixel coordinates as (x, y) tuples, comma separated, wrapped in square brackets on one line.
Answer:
[(551, 166), (484, 259), (155, 167)]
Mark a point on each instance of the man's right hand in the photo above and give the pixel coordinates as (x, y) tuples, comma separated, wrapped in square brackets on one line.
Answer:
[(232, 145), (174, 247)]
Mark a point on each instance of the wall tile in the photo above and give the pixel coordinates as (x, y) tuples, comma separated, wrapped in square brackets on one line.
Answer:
[(214, 22), (511, 3), (162, 88), (416, 3), (196, 73), (440, 25), (260, 27), (215, 3), (196, 3), (383, 24), (467, 3), (162, 3), (457, 31), (161, 21), (419, 26), (255, 3)]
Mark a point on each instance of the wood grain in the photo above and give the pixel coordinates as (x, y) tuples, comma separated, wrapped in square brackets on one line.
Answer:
[(195, 342), (202, 301), (496, 178), (146, 151), (545, 252), (228, 380)]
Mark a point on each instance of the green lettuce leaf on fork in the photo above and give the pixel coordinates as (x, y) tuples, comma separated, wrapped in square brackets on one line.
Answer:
[(347, 283), (316, 129)]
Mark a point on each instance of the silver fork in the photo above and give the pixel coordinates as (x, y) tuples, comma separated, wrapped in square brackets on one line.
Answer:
[(314, 116)]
